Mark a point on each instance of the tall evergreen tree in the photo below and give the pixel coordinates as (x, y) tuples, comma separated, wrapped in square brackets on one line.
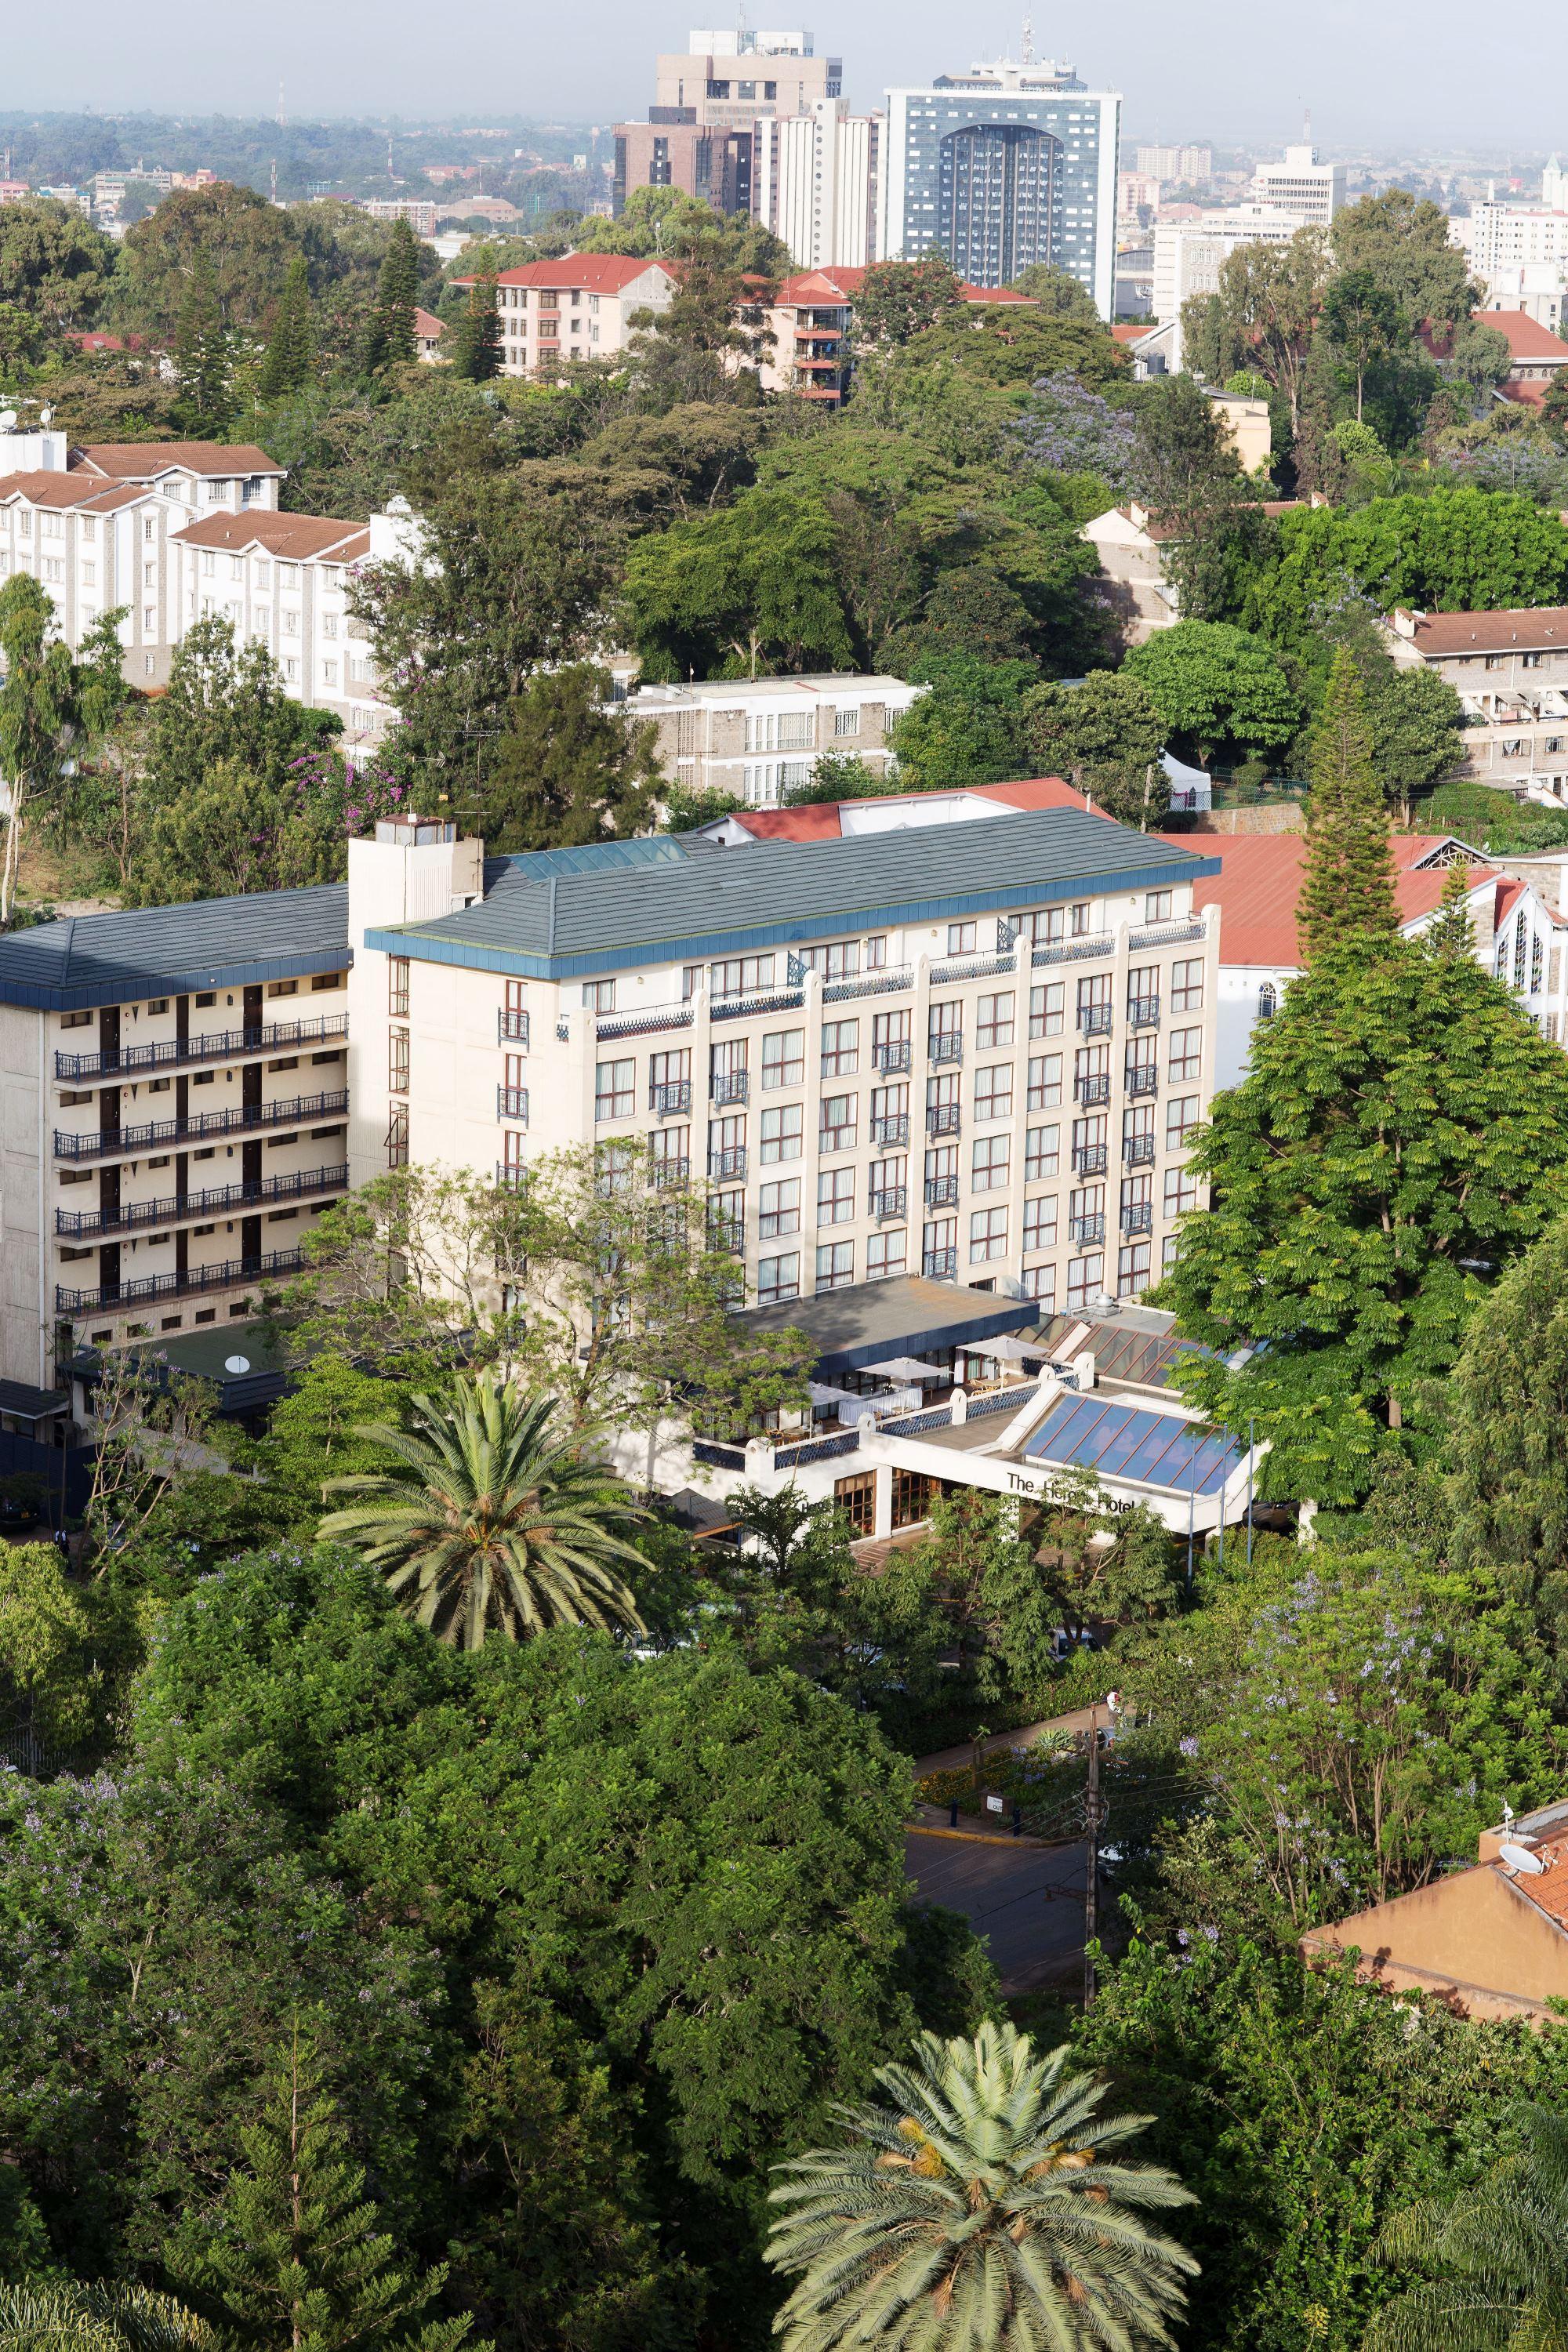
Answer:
[(1450, 935), (201, 350), (478, 354), (291, 345), (1347, 887), (390, 340), (296, 2258)]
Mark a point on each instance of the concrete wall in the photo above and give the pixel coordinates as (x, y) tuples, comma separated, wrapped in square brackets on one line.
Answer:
[(1477, 1932)]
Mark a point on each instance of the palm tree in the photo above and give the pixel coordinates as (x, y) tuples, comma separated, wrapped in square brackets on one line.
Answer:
[(488, 1523), (1500, 2251), (975, 2211), (66, 2315)]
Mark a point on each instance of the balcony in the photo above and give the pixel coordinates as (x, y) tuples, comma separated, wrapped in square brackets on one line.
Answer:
[(1091, 1090), (942, 1119), (1095, 1020), (1085, 1229), (1137, 1217), (895, 1055), (511, 1029), (200, 1278), (1099, 943), (122, 1142), (667, 1101), (894, 1202), (940, 1265), (1168, 935), (742, 1008), (220, 1046), (608, 1027), (1142, 1013), (667, 1173), (941, 1192), (892, 1130), (511, 1174), (984, 967), (727, 1167), (730, 1086), (1090, 1160), (139, 1216), (888, 982), (945, 1045), (512, 1102), (1142, 1078), (1137, 1151)]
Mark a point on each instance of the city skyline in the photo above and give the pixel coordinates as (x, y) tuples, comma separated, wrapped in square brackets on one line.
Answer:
[(1238, 74)]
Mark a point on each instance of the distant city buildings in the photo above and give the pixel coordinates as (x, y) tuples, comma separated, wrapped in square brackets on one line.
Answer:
[(1520, 252), (419, 212), (1302, 183), (1188, 164)]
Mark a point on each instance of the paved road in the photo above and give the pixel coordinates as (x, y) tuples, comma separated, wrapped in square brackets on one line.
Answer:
[(1026, 1902)]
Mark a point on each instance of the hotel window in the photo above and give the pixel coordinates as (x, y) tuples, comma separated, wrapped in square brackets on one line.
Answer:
[(1042, 1153), (669, 1147), (781, 1132), (1040, 1224), (987, 1236), (835, 1266), (989, 1170), (840, 1048), (857, 1499), (961, 938), (994, 1092), (1181, 1191), (1186, 1053), (839, 961), (835, 1196), (398, 1137), (994, 1021), (1133, 1270), (1157, 906), (1047, 1010), (839, 1122), (398, 1060), (1045, 1081), (1536, 959), (599, 996), (778, 1278), (783, 1059), (739, 975), (1086, 1278), (887, 1253), (913, 1495), (779, 1210), (1187, 985), (1040, 1285), (397, 987), (614, 1089), (847, 722), (1181, 1119)]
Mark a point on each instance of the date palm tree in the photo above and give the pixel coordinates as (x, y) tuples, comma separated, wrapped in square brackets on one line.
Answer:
[(1500, 2252), (486, 1522), (67, 2315), (975, 2209)]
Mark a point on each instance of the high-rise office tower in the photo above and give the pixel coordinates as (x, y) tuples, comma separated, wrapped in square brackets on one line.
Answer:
[(1003, 166), (814, 185)]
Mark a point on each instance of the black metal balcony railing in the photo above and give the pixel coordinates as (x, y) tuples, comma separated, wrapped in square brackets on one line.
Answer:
[(511, 1028), (1143, 1012), (945, 1045), (892, 1130), (1137, 1217), (1085, 1229), (1142, 1078), (667, 1099), (894, 1054), (941, 1192), (139, 1216), (1095, 1020), (942, 1119), (940, 1265), (113, 1143), (722, 1166), (730, 1086), (1090, 1160), (892, 1202), (220, 1046), (1138, 1151), (512, 1102), (200, 1278), (511, 1173), (1091, 1090), (668, 1172)]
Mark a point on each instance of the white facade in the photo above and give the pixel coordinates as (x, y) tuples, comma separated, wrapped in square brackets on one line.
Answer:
[(760, 738), (1189, 254), (814, 184), (1506, 237), (578, 307), (1301, 185)]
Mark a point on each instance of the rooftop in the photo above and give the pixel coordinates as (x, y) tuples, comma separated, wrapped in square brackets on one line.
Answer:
[(724, 691), (295, 537), (841, 283), (1260, 883), (868, 1321), (596, 273), (835, 820), (119, 959), (1523, 629), (1526, 338), (143, 461), (1121, 1441)]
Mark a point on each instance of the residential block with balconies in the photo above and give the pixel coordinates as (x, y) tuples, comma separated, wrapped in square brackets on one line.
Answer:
[(760, 738), (1510, 670)]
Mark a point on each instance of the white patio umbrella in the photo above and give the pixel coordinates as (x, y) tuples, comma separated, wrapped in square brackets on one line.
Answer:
[(908, 1367)]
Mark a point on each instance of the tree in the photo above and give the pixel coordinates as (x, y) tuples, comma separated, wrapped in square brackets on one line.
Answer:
[(985, 2200), (296, 2253), (54, 265), (1404, 244), (569, 767), (751, 584), (1416, 722), (1398, 1141), (1059, 294), (1347, 879), (477, 350), (897, 299), (1553, 409), (490, 1522), (241, 241), (202, 358), (1215, 688), (38, 712), (708, 340), (1508, 1467), (291, 345), (967, 729), (1186, 470), (52, 2314), (1106, 735), (1271, 296), (389, 337), (1497, 2247), (53, 1684), (224, 702), (234, 833), (1363, 321)]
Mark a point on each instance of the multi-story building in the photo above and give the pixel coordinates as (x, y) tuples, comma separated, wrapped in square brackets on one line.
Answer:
[(814, 184), (1536, 356), (174, 1103), (809, 349), (578, 307), (1302, 183), (419, 212), (1190, 254), (673, 150), (1002, 167), (1511, 672), (738, 78), (1499, 236), (758, 738), (709, 132), (1188, 164), (976, 1050), (1536, 290)]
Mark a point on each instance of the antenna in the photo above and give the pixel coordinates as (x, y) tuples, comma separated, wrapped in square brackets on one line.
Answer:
[(1028, 36), (280, 115)]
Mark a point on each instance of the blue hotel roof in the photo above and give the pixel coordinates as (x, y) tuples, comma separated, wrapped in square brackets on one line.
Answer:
[(125, 957), (1119, 1440)]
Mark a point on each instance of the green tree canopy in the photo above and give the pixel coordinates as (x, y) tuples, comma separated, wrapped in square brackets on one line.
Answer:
[(1105, 735), (751, 585), (897, 299), (54, 265), (570, 768), (1451, 550), (245, 241), (1403, 245), (389, 336), (291, 343), (1059, 294), (1216, 688), (1347, 874), (1186, 471), (967, 729)]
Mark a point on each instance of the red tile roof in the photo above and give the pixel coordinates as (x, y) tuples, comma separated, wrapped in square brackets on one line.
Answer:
[(140, 461), (425, 324), (294, 536), (842, 285), (1527, 340), (1260, 883), (820, 820), (1531, 629), (596, 273), (89, 492)]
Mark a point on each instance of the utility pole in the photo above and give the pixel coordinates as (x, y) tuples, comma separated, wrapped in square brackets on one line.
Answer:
[(1091, 1857)]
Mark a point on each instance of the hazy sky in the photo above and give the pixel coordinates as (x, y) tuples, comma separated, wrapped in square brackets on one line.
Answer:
[(1373, 71)]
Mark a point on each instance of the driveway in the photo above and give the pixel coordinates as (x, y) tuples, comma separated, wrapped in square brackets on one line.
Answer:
[(1024, 1901)]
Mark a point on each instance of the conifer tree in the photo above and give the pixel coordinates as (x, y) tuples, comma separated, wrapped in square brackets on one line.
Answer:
[(1347, 887), (296, 2258), (1449, 935), (291, 346), (201, 349), (477, 358), (390, 340)]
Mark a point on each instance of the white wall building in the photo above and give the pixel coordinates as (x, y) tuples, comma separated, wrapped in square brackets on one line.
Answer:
[(1189, 256), (1302, 183), (758, 738), (578, 307), (816, 184)]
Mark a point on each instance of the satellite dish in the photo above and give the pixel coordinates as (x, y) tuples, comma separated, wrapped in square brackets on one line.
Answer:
[(236, 1363), (1518, 1857), (46, 418), (7, 420)]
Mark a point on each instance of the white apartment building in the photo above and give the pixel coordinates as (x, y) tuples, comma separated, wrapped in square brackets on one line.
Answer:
[(578, 307), (1190, 164), (1302, 183), (814, 184), (1510, 670), (173, 1108), (1189, 256), (1497, 236), (759, 738), (976, 1051)]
